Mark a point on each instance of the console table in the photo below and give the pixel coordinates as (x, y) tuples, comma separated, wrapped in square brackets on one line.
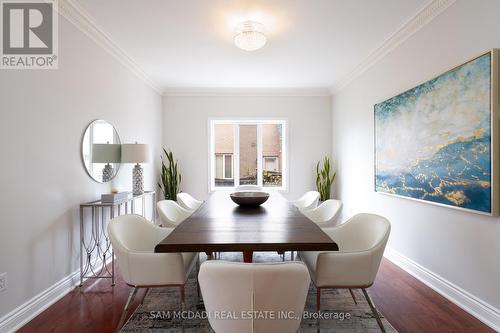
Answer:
[(95, 246)]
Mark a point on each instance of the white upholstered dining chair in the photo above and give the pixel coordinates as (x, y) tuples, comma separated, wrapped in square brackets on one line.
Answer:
[(188, 202), (171, 213), (361, 240), (133, 239), (247, 288), (325, 214), (308, 201), (243, 188)]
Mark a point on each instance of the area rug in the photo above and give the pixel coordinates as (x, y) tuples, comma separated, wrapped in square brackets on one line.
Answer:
[(161, 311)]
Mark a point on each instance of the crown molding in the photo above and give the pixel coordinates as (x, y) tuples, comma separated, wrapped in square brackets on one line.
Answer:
[(80, 19), (425, 15), (249, 92)]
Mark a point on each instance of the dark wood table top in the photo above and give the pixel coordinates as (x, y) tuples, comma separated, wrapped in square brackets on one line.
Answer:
[(222, 226)]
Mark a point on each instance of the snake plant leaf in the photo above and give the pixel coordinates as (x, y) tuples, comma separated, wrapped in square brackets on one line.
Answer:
[(170, 177), (324, 180)]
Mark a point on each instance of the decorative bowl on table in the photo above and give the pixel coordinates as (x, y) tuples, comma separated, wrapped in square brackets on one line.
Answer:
[(249, 199)]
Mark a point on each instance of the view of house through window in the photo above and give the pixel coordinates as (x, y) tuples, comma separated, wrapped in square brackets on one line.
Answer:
[(224, 154), (248, 153), (272, 154)]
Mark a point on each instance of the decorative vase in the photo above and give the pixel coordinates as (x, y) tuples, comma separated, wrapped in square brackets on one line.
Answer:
[(138, 180), (107, 173)]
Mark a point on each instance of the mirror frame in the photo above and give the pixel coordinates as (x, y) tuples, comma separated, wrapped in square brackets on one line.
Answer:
[(81, 150)]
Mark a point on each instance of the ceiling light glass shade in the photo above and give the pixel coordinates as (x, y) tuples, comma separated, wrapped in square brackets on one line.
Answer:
[(250, 36)]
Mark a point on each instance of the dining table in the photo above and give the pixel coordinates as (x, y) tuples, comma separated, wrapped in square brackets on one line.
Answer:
[(220, 225)]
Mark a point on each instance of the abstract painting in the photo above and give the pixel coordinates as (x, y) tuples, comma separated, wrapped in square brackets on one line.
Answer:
[(436, 142)]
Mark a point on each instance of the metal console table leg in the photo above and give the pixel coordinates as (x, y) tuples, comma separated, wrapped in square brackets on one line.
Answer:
[(95, 245)]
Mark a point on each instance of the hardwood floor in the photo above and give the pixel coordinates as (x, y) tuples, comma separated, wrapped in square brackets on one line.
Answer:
[(408, 305), (411, 306)]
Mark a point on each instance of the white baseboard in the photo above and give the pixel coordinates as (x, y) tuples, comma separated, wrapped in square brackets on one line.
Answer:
[(483, 311), (21, 315)]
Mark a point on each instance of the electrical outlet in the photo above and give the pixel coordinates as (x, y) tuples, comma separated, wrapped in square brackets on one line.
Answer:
[(3, 281)]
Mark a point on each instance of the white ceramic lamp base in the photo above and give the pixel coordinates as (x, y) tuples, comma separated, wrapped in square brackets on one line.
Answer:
[(138, 180)]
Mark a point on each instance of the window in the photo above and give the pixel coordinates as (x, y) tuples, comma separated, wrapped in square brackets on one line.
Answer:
[(247, 152), (224, 166), (271, 164)]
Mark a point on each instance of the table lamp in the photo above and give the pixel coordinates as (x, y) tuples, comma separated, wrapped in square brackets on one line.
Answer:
[(136, 153), (106, 153)]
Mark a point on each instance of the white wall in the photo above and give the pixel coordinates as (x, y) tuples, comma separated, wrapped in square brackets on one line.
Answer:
[(43, 115), (185, 131), (460, 247)]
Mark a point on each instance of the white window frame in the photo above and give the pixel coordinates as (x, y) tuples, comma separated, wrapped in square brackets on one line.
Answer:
[(236, 154)]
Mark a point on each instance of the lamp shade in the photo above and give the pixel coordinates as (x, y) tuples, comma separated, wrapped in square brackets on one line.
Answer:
[(135, 153), (106, 153)]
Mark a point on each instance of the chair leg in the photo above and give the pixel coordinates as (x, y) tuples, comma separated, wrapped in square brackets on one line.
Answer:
[(125, 309), (292, 256), (198, 281), (198, 288), (318, 298), (353, 297), (143, 297), (375, 312), (182, 295), (281, 254)]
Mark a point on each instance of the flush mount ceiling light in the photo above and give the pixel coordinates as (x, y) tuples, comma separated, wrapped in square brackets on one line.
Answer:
[(250, 36)]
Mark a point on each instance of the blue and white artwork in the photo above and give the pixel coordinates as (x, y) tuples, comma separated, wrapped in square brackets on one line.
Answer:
[(433, 142)]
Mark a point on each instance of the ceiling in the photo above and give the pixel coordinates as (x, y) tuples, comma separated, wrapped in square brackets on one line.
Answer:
[(188, 43)]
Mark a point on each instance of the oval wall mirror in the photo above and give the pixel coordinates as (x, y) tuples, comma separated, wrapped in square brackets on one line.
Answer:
[(101, 151)]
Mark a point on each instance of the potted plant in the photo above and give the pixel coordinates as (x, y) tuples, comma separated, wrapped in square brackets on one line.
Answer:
[(324, 180), (170, 177)]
